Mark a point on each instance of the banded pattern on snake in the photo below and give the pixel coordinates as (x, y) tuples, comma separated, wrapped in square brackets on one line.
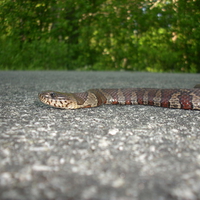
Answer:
[(188, 99)]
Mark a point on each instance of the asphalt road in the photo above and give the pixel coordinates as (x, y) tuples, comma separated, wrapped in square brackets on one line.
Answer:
[(111, 152)]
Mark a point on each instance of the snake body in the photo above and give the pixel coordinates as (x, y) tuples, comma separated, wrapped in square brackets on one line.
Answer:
[(188, 99)]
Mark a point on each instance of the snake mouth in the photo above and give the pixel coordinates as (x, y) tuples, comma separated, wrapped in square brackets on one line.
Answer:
[(44, 99)]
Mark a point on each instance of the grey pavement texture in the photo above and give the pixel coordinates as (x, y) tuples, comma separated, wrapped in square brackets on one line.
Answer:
[(111, 152)]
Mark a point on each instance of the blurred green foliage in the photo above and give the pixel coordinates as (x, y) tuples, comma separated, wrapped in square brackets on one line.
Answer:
[(139, 35)]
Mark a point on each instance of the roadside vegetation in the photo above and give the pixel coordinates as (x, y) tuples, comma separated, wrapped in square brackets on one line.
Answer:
[(139, 35)]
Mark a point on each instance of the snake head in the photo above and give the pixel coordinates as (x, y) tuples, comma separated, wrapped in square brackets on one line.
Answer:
[(57, 99)]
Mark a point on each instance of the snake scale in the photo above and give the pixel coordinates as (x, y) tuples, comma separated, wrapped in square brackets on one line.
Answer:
[(188, 99)]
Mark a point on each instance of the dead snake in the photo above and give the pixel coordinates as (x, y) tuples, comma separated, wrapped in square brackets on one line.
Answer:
[(188, 99)]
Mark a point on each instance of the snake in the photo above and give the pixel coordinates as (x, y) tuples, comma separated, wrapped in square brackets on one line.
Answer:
[(188, 99)]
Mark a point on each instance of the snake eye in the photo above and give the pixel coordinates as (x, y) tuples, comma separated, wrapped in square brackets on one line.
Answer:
[(52, 94)]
